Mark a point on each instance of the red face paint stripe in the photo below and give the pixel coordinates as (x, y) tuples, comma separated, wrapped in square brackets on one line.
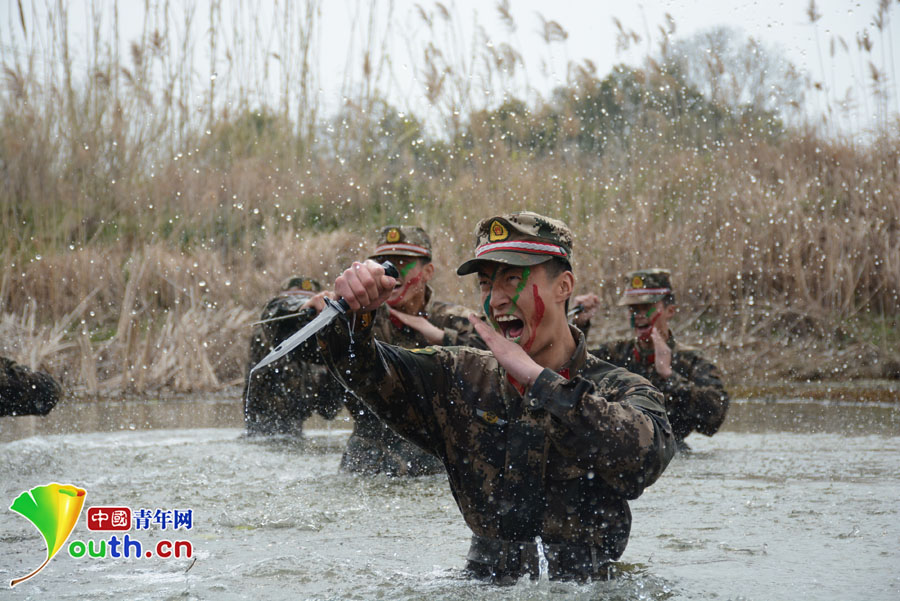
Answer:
[(405, 289), (538, 317)]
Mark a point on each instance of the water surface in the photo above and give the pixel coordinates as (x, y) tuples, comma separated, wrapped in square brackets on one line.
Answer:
[(791, 500)]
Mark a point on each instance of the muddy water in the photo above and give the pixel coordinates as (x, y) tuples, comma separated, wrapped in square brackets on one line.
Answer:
[(792, 500)]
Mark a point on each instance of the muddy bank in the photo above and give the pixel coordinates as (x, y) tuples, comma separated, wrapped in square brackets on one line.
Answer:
[(850, 391)]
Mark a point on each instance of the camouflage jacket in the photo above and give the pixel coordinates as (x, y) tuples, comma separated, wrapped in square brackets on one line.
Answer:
[(452, 319), (695, 396), (25, 392), (560, 461)]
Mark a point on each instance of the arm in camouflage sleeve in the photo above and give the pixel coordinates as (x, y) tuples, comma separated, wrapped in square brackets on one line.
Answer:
[(26, 392), (698, 396), (277, 331), (459, 332), (615, 426), (396, 384)]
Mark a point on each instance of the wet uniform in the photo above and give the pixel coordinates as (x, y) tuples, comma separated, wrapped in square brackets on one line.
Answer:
[(695, 396), (285, 394), (559, 463), (373, 447), (26, 392)]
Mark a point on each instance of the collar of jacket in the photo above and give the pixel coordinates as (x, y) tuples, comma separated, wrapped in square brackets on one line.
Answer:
[(576, 361)]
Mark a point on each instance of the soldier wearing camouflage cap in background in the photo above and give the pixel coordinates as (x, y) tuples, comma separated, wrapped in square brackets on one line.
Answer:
[(696, 399), (539, 438), (26, 392), (280, 399), (411, 318)]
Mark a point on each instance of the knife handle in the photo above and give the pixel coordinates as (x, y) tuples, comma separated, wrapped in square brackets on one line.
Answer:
[(389, 269)]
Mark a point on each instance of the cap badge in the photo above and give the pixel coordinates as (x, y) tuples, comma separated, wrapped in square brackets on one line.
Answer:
[(498, 232), (637, 282), (306, 285), (393, 235)]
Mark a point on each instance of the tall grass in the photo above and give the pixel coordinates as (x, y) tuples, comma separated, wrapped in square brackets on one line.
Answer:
[(144, 229)]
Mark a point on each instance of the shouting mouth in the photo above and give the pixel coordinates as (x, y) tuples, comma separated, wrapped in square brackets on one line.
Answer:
[(511, 326), (643, 329)]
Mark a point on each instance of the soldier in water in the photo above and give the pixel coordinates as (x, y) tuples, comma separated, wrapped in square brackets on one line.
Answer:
[(280, 398), (696, 400), (543, 443), (26, 392)]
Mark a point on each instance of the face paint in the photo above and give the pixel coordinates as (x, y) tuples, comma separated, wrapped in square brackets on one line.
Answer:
[(409, 267), (409, 283), (538, 317), (647, 337), (486, 307), (519, 289), (649, 313)]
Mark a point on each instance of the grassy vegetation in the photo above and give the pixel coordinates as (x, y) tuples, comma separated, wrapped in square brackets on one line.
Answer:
[(144, 231)]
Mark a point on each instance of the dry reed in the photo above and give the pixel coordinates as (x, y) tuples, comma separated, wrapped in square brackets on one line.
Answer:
[(141, 243)]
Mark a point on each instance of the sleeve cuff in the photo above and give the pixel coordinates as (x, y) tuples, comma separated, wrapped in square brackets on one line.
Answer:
[(541, 391)]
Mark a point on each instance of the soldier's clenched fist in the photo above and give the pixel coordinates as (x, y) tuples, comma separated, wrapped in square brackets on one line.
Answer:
[(364, 286)]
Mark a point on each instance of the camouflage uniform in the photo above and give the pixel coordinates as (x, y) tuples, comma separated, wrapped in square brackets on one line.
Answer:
[(695, 396), (559, 461), (284, 395), (26, 392), (373, 447)]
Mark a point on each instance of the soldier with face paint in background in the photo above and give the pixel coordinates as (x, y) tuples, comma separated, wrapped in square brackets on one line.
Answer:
[(411, 318), (543, 444), (696, 399), (26, 392)]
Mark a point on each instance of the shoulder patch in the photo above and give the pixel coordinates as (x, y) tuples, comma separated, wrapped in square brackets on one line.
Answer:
[(490, 417), (428, 350)]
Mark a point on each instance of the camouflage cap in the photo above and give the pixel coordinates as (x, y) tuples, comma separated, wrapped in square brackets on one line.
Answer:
[(646, 286), (301, 286), (524, 239), (402, 240)]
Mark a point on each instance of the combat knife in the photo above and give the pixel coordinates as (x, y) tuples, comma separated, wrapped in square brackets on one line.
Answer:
[(326, 316)]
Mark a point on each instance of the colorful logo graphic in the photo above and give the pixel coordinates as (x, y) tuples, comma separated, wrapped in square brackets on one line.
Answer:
[(54, 510), (102, 519)]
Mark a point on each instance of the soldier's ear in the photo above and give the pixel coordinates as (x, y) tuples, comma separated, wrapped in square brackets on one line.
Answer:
[(564, 286), (428, 272)]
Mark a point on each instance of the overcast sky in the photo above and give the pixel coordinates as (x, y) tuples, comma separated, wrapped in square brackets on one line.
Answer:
[(783, 24)]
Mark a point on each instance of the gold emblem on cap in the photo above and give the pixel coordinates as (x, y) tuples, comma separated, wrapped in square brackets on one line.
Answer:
[(498, 232), (393, 235), (637, 282), (306, 285)]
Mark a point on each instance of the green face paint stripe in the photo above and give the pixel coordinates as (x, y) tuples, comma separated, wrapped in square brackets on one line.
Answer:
[(409, 267), (648, 315), (525, 273)]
